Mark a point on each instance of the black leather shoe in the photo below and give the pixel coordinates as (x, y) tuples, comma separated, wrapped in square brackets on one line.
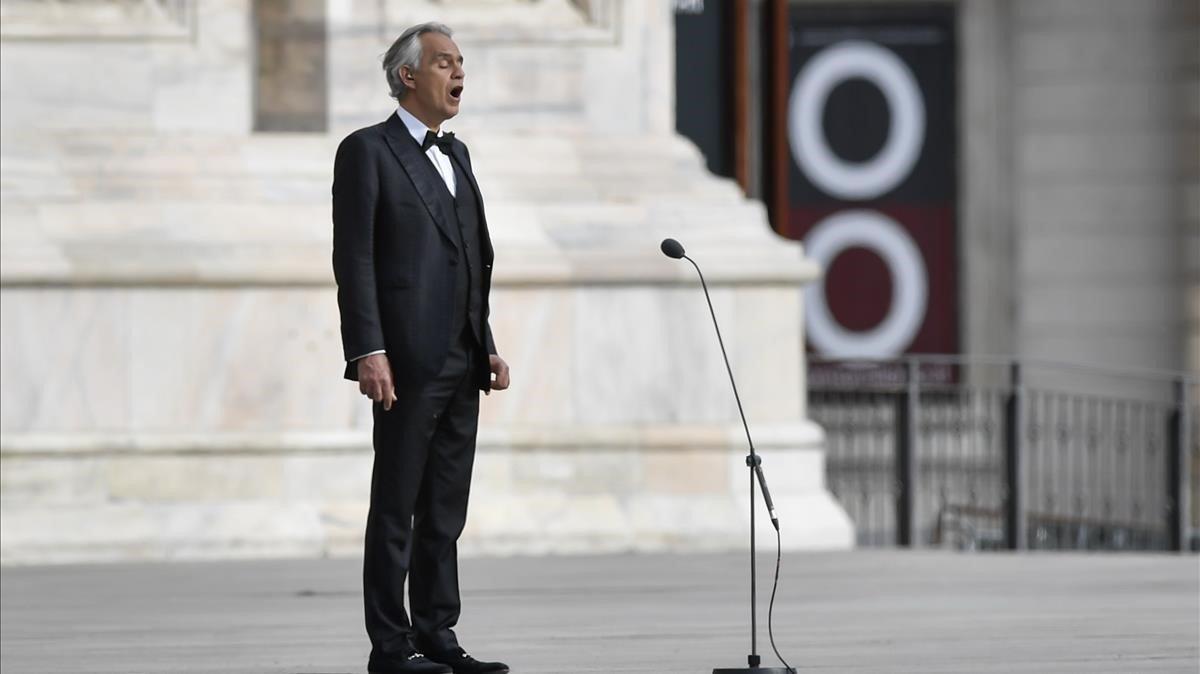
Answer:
[(416, 664), (465, 664)]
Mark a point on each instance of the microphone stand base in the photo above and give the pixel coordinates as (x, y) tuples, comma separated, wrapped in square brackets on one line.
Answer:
[(755, 671)]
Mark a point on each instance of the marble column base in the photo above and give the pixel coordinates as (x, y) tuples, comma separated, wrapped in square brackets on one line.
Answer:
[(75, 497)]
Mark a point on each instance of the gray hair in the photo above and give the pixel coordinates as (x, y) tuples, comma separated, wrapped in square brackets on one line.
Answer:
[(406, 51)]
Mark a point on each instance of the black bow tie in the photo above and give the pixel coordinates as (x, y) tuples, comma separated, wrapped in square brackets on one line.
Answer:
[(443, 142)]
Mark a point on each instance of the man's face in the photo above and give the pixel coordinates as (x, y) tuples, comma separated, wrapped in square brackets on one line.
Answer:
[(436, 86)]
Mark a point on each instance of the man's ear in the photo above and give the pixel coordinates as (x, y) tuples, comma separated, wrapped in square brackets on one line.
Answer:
[(406, 76)]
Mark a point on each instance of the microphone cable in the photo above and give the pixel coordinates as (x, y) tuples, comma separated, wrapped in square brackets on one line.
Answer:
[(771, 607)]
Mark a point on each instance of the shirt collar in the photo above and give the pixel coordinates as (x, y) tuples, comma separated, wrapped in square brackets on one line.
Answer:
[(416, 128)]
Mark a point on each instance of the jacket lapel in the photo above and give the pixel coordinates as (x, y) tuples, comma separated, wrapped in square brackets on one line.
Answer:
[(422, 173)]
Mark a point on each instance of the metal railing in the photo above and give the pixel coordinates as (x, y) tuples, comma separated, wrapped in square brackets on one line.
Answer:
[(999, 453)]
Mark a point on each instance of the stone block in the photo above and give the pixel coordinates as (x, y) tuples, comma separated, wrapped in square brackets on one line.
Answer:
[(172, 479), (685, 471)]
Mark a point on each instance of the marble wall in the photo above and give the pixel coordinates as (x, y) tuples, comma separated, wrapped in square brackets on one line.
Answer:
[(1082, 142), (185, 422), (188, 360), (550, 66), (93, 66)]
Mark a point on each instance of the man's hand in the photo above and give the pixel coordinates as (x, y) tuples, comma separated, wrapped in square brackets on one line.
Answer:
[(500, 369), (375, 379)]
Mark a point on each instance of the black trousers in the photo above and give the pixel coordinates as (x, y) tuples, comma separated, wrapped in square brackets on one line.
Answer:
[(424, 452)]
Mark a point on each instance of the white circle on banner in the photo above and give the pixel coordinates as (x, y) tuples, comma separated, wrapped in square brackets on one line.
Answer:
[(806, 109), (910, 285)]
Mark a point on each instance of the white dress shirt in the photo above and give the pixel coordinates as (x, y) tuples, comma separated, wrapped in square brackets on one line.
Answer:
[(441, 162)]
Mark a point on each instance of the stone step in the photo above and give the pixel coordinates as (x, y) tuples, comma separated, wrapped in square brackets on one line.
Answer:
[(271, 170), (187, 222), (49, 165), (211, 208), (113, 186), (301, 153)]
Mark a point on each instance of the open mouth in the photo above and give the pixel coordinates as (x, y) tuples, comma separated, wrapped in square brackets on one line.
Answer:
[(456, 92)]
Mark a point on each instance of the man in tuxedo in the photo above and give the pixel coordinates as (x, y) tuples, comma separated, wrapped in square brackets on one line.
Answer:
[(413, 263)]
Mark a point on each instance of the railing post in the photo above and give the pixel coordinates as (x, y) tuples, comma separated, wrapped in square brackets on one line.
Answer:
[(906, 464), (1014, 458), (1177, 469)]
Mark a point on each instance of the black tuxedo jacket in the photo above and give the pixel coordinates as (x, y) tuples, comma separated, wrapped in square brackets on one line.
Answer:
[(395, 252)]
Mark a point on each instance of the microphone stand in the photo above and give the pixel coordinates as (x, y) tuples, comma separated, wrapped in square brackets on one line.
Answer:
[(754, 462)]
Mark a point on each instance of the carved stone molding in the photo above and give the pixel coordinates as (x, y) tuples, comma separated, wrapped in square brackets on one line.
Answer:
[(515, 21), (97, 19)]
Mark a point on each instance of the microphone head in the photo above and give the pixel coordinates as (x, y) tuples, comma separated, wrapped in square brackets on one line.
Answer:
[(672, 248)]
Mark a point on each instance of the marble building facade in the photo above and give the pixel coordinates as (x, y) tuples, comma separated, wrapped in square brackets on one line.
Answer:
[(170, 357)]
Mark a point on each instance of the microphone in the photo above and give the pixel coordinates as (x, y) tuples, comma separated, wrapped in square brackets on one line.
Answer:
[(673, 249)]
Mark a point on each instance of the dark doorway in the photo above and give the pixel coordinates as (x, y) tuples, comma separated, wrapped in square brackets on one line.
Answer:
[(703, 72)]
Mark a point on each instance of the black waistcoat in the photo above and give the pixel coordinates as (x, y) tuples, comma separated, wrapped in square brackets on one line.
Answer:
[(463, 210)]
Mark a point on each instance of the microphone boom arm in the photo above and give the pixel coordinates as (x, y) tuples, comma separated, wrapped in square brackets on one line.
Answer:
[(753, 460), (673, 249)]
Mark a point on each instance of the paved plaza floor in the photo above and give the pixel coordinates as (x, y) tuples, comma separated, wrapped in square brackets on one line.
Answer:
[(864, 611)]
